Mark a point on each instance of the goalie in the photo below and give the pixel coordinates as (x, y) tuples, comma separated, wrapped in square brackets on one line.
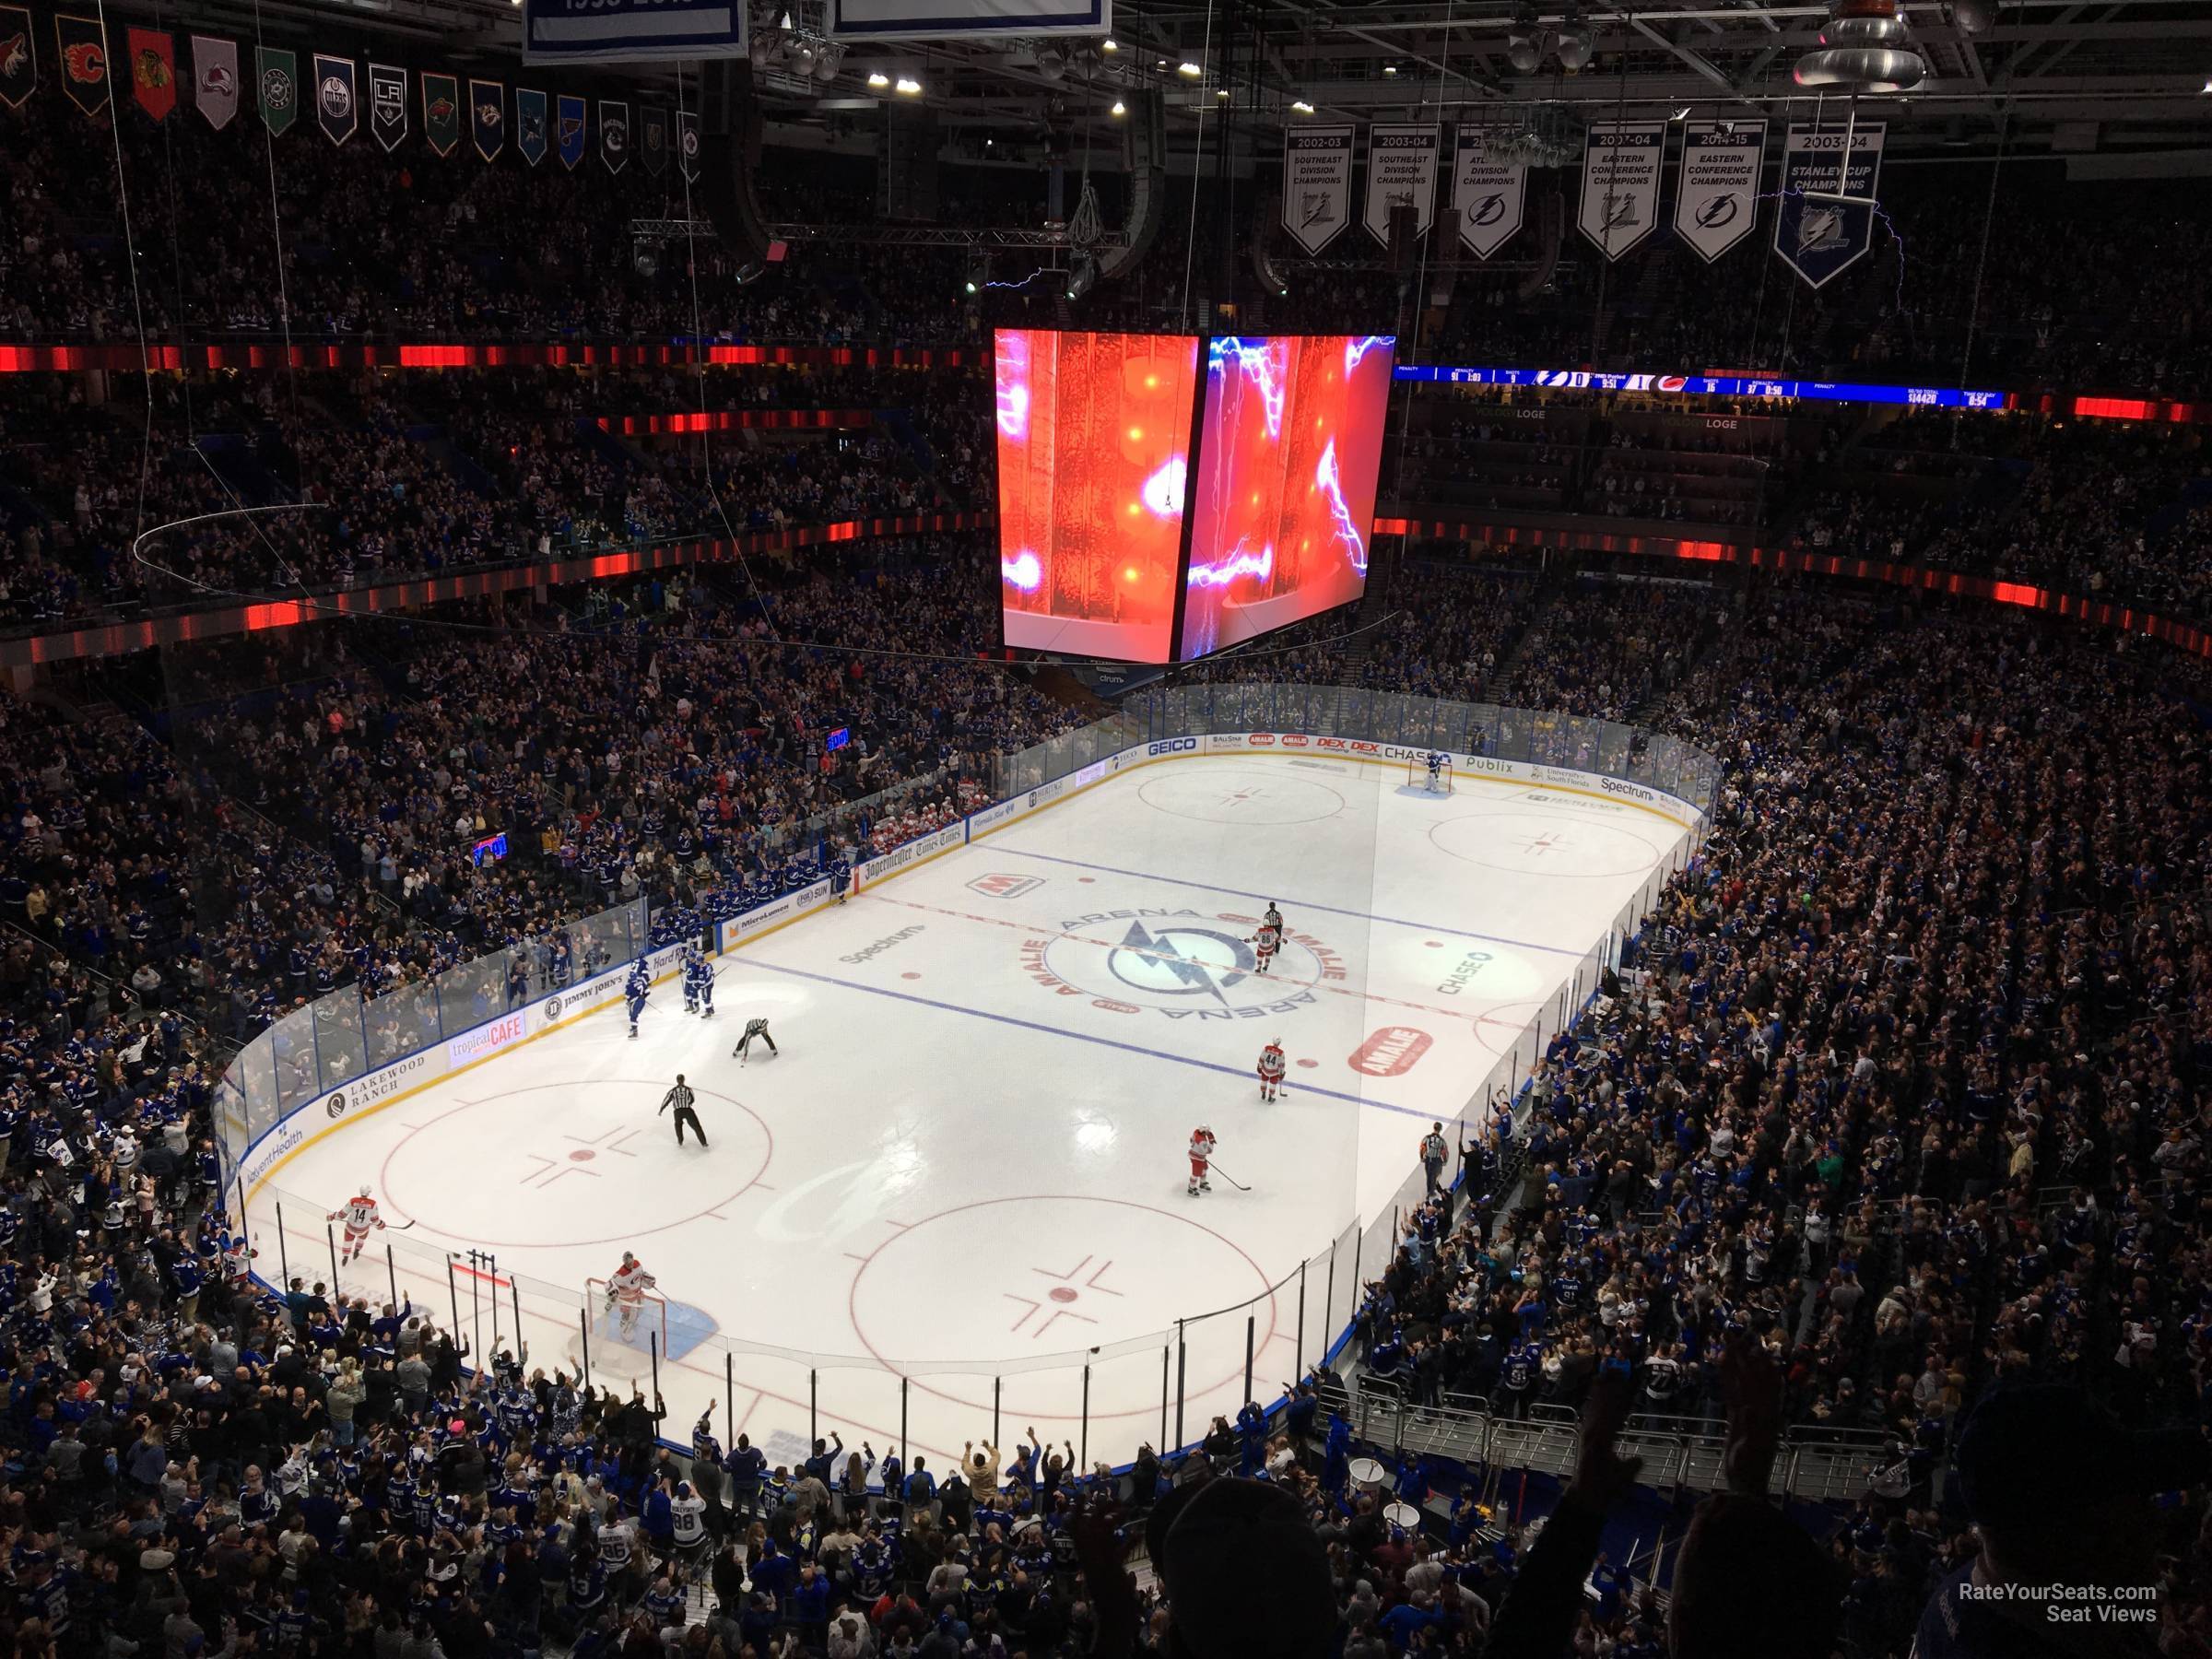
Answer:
[(626, 1294)]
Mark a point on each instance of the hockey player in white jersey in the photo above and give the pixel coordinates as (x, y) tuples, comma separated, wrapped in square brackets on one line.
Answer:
[(1271, 1070), (1202, 1152), (626, 1291), (1266, 943), (359, 1214)]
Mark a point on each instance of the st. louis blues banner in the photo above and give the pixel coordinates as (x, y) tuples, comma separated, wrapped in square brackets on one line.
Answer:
[(487, 117), (1489, 189), (687, 143), (610, 32), (1716, 197), (1620, 184), (388, 105), (215, 79), (18, 58), (567, 128), (614, 132), (441, 112), (1401, 169), (337, 102), (1317, 183), (1820, 238), (530, 124)]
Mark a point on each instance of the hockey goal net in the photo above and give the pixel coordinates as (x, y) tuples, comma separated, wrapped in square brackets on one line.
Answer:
[(623, 1339), (1416, 774)]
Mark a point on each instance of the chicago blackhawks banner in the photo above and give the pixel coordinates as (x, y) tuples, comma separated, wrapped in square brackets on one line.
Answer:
[(18, 58), (687, 143), (1620, 184), (567, 128), (279, 76), (1716, 198), (530, 124), (1401, 168), (215, 79), (441, 112), (337, 102), (614, 134), (84, 57), (388, 105), (487, 117), (653, 139), (1317, 183), (1489, 189), (1816, 239), (154, 71)]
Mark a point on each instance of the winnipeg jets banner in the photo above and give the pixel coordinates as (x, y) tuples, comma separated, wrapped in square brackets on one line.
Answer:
[(1401, 168), (1716, 199), (1490, 190), (387, 104), (1816, 239), (1620, 184), (612, 31), (1317, 183), (687, 143), (966, 19)]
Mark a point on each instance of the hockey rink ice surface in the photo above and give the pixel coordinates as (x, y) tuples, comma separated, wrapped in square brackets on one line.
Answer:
[(966, 1166)]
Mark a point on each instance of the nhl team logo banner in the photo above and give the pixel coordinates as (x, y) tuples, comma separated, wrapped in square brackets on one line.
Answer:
[(687, 143), (388, 105), (487, 117), (614, 134), (215, 79), (154, 71), (1401, 168), (18, 58), (1317, 183), (530, 124), (337, 100), (1620, 184), (441, 112), (1818, 239), (279, 76), (568, 129), (653, 137), (83, 58), (1490, 190), (1716, 199)]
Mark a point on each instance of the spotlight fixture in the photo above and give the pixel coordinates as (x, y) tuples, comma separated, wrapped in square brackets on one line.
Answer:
[(1303, 108), (1221, 93), (1109, 44), (908, 85), (1523, 51), (878, 79), (1119, 108), (1574, 46), (1191, 69), (1389, 68)]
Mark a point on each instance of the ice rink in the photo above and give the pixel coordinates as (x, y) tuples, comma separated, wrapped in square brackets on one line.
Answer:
[(965, 1168)]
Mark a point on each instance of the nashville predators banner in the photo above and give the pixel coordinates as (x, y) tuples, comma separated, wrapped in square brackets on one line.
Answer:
[(687, 143), (84, 56), (154, 71), (215, 79), (653, 137), (278, 73), (530, 124), (18, 58), (441, 112), (614, 134), (487, 117), (387, 104), (338, 103), (567, 128)]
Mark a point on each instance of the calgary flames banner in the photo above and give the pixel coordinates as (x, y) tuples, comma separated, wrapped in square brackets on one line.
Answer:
[(84, 55)]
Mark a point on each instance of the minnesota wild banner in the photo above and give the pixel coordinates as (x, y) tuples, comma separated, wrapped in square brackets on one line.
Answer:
[(215, 79), (154, 71), (687, 143), (568, 129), (387, 104), (614, 134), (83, 51), (530, 124), (653, 130), (441, 112), (18, 58), (487, 117), (337, 98), (278, 74)]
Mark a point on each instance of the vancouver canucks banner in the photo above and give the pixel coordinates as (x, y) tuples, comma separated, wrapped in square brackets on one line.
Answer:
[(1401, 169), (614, 134), (487, 117), (1716, 198), (687, 143), (277, 75), (1317, 183), (18, 58), (1489, 189), (653, 139), (610, 32), (154, 71), (1620, 184), (441, 112), (567, 128), (1818, 239), (337, 100), (83, 51), (215, 79), (388, 105), (530, 124)]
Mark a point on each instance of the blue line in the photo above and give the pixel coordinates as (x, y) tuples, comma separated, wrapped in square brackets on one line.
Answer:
[(1030, 1024), (1300, 903)]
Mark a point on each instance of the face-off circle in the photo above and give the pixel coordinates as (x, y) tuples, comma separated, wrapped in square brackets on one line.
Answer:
[(1180, 961), (1231, 795), (1528, 843)]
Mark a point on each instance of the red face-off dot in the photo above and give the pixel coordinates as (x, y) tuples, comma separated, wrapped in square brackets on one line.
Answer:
[(1062, 1293), (583, 1155)]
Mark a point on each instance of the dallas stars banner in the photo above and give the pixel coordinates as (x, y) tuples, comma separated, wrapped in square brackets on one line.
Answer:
[(279, 75), (1816, 238), (338, 104), (1620, 184), (387, 104), (1716, 198), (1490, 190)]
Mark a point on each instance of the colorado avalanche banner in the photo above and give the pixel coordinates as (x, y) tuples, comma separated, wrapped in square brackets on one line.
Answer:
[(18, 58), (84, 54), (337, 98), (530, 124), (611, 31), (1489, 189), (441, 112), (1401, 168), (1620, 184), (1716, 199), (687, 143), (278, 74), (487, 117), (154, 71), (568, 129), (1818, 239), (1317, 183), (215, 79), (614, 132), (388, 105)]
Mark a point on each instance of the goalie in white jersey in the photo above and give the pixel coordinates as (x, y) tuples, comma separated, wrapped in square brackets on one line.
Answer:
[(626, 1291), (359, 1214)]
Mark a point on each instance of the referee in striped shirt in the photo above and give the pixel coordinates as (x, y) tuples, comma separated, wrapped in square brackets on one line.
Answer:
[(681, 1097)]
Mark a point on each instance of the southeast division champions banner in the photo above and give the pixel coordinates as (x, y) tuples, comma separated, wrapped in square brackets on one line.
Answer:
[(1317, 183), (1820, 240), (964, 19), (1716, 198), (1490, 190), (613, 31), (1620, 184), (1401, 167)]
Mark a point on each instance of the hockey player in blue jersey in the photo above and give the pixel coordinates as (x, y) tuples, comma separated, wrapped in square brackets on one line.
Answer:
[(1437, 763), (635, 993), (699, 984)]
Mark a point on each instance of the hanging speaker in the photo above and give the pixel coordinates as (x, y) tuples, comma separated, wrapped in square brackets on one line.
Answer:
[(1404, 237), (1269, 276)]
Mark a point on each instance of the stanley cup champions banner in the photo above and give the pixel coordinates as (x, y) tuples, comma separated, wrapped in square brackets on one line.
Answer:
[(1317, 183), (1401, 168), (1620, 184), (1716, 199), (1816, 239), (1490, 190)]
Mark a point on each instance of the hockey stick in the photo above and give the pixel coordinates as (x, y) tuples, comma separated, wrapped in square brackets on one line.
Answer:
[(1225, 1175)]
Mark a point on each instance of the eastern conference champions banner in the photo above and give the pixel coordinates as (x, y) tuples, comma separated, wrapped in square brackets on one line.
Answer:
[(608, 31), (1716, 199), (1620, 184), (1317, 183), (1401, 168), (1819, 240), (1490, 190)]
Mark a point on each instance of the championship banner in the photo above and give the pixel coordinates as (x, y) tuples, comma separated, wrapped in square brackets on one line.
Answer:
[(154, 71), (653, 137), (487, 117), (567, 128), (614, 132), (215, 79), (277, 75), (1401, 168), (1317, 183), (967, 19), (1620, 184), (441, 112), (84, 57), (388, 105), (337, 100), (687, 143), (530, 124), (614, 32), (18, 58), (1489, 189), (1716, 197), (1819, 240)]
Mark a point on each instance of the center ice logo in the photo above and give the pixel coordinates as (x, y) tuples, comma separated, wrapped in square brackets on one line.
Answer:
[(1186, 964)]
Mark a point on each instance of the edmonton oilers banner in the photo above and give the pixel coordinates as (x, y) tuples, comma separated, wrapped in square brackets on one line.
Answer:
[(1489, 189), (611, 31), (338, 103), (1317, 183), (1620, 184), (1716, 198), (1819, 240)]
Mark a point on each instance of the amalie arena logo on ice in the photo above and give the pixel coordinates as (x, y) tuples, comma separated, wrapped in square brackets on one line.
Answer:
[(1186, 964)]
